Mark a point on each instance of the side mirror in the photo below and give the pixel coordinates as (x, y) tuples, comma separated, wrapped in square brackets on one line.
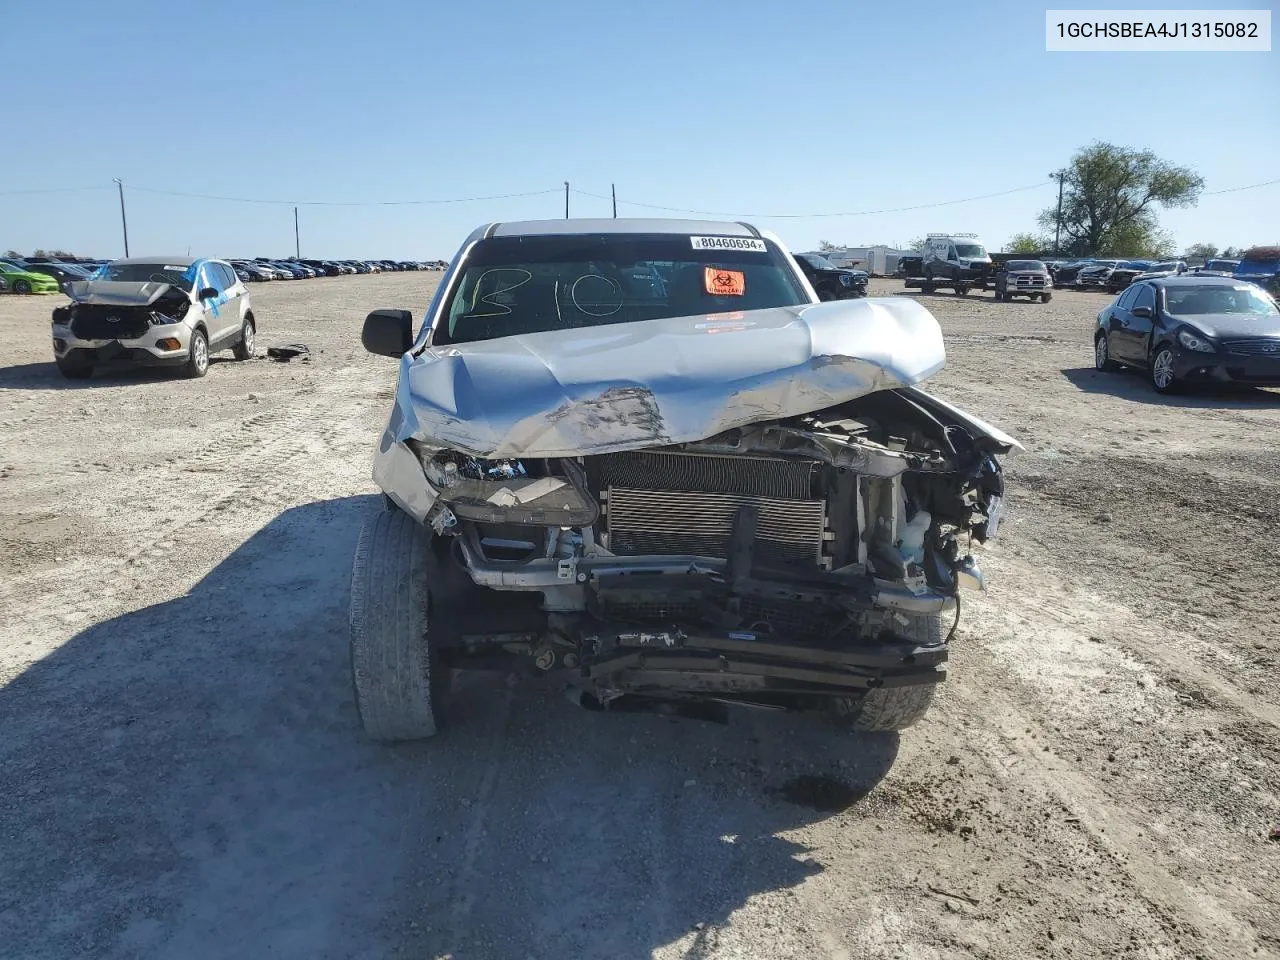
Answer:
[(388, 333), (1141, 311), (208, 293)]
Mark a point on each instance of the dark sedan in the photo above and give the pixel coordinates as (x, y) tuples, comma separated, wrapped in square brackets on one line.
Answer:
[(1192, 329), (64, 273)]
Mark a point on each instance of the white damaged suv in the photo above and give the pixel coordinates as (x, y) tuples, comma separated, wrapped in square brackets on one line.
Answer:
[(158, 311)]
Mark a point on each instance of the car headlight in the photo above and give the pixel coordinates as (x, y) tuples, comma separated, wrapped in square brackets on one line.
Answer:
[(504, 490), (1195, 340), (846, 280)]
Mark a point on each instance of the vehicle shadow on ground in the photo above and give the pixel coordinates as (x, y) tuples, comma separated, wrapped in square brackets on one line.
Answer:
[(1133, 385), (45, 376), (190, 779)]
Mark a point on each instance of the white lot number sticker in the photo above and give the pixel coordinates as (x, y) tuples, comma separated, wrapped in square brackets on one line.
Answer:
[(729, 243)]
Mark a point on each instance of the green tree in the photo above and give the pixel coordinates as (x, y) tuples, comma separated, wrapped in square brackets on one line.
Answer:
[(1110, 198), (1027, 243), (826, 246), (916, 244), (1232, 253), (1201, 251)]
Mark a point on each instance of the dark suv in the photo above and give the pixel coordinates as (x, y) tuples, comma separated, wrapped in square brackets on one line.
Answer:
[(832, 282)]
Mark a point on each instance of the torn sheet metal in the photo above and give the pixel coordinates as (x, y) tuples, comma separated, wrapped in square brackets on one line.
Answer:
[(602, 389)]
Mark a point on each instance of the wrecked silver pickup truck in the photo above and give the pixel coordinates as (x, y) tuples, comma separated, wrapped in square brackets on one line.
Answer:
[(640, 456)]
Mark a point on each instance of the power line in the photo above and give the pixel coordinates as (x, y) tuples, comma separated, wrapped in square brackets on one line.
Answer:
[(341, 203), (1252, 186), (801, 216)]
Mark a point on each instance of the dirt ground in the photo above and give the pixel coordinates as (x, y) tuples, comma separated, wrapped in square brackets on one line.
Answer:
[(182, 773)]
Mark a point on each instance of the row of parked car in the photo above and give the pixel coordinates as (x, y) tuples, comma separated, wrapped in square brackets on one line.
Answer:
[(50, 274), (265, 268), (1260, 265)]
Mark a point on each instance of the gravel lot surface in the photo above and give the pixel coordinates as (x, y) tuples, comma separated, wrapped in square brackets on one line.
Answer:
[(182, 773)]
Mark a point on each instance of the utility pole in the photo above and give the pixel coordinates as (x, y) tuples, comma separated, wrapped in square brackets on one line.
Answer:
[(124, 224), (613, 191), (297, 244), (1057, 232), (566, 199)]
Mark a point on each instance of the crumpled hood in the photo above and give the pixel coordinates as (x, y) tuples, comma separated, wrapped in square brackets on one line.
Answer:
[(118, 292), (629, 386), (1218, 325)]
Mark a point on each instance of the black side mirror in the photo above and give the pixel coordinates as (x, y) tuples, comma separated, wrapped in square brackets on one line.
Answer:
[(388, 333), (208, 293), (1141, 311)]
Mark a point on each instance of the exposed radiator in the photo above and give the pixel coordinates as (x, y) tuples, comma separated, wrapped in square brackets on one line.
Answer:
[(667, 521), (751, 476)]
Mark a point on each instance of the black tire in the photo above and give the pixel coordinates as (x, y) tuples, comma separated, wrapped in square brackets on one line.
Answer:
[(243, 350), (827, 293), (21, 286), (393, 668), (1156, 374), (1102, 355), (999, 295), (896, 708), (1046, 297), (197, 355), (961, 290), (74, 369)]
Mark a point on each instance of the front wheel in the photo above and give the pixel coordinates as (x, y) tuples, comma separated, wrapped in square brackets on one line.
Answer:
[(896, 708), (198, 357), (826, 293), (1162, 375), (1046, 297), (74, 369), (393, 667)]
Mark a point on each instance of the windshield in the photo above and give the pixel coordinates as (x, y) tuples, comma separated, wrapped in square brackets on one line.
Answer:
[(1024, 265), (175, 274), (970, 251), (1184, 301), (819, 262), (519, 285)]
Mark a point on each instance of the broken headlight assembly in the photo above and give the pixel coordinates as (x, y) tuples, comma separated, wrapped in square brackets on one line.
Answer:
[(1193, 339), (545, 492)]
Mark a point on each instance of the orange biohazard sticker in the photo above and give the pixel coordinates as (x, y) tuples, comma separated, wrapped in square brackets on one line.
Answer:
[(724, 283)]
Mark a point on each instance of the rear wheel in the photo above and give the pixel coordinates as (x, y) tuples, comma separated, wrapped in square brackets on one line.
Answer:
[(244, 349), (398, 683), (961, 290), (896, 708), (1102, 355), (21, 286)]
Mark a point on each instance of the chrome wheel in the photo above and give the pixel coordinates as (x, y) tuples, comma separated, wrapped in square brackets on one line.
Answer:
[(1100, 356), (248, 338), (1162, 369), (200, 354)]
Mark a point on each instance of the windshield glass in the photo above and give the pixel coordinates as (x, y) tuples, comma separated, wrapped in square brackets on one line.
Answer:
[(819, 262), (146, 273), (1183, 301), (970, 251), (518, 285), (1024, 265)]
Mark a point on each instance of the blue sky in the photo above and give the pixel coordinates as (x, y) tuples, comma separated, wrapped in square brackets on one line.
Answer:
[(752, 107)]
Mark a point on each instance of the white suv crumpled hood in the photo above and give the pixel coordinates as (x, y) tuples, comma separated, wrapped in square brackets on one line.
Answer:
[(629, 386)]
